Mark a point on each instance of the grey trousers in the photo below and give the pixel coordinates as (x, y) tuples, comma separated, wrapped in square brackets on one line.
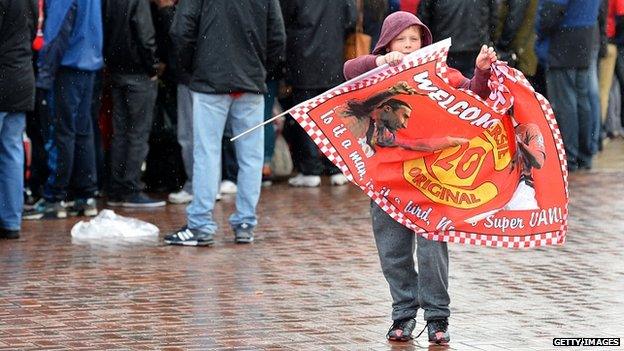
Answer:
[(185, 133), (134, 97), (427, 289)]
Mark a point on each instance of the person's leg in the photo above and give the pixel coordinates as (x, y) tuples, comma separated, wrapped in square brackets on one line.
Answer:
[(310, 161), (119, 138), (210, 112), (185, 133), (141, 94), (594, 101), (67, 99), (560, 84), (433, 262), (607, 70), (229, 168), (619, 70), (613, 110), (269, 132), (36, 123), (12, 126), (269, 129), (585, 118), (245, 113), (98, 147), (84, 173), (395, 245)]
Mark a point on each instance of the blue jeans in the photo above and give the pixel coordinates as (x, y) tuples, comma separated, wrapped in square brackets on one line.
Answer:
[(210, 114), (12, 127), (185, 133), (73, 149), (569, 96)]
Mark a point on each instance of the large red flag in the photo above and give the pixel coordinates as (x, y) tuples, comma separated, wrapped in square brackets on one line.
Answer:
[(442, 161)]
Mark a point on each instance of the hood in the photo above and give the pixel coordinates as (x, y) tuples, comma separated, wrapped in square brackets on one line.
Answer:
[(395, 24)]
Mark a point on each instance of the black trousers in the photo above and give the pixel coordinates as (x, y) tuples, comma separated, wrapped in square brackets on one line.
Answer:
[(134, 97), (307, 157)]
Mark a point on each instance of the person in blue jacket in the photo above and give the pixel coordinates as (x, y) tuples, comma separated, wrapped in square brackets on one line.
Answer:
[(67, 64), (565, 35)]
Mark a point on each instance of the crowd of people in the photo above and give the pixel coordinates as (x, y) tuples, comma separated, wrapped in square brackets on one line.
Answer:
[(114, 95), (124, 89), (117, 83)]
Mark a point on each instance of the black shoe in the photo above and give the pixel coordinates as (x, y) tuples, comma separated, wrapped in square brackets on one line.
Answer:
[(45, 210), (142, 200), (83, 207), (30, 200), (438, 331), (189, 237), (401, 330), (9, 234), (243, 233)]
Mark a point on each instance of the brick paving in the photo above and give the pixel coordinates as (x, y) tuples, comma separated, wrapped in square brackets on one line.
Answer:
[(311, 281)]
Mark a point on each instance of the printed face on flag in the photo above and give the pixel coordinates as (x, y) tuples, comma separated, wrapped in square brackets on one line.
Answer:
[(443, 161)]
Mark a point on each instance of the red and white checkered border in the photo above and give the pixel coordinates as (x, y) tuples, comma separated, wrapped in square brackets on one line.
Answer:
[(300, 114)]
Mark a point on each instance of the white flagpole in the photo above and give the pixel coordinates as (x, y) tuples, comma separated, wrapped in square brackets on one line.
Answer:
[(261, 124)]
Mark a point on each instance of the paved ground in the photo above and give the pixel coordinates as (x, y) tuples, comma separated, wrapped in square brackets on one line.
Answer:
[(311, 281)]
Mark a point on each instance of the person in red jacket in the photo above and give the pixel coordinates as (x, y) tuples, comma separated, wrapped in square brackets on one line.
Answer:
[(401, 34)]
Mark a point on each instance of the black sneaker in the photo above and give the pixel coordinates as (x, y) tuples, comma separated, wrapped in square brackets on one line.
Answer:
[(243, 233), (45, 210), (438, 331), (189, 237), (30, 200), (9, 234), (142, 200), (401, 330), (83, 207)]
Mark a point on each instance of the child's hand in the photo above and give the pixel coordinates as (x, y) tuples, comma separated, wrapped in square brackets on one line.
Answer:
[(392, 58), (486, 56)]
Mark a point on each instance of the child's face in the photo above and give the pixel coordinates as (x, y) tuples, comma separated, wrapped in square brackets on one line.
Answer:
[(407, 41)]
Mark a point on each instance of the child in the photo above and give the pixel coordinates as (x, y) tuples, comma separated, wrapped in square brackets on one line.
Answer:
[(403, 33)]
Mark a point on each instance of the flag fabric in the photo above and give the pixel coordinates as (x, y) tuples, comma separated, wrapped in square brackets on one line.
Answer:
[(443, 161)]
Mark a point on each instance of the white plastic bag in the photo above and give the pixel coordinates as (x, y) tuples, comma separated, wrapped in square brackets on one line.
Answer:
[(108, 224), (281, 163)]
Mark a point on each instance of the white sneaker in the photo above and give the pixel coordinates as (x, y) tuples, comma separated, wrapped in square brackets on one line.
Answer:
[(228, 187), (338, 179), (181, 197), (310, 181)]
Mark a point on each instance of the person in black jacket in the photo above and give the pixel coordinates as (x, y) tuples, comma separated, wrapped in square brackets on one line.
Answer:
[(469, 24), (17, 95), (316, 33), (227, 47), (130, 57)]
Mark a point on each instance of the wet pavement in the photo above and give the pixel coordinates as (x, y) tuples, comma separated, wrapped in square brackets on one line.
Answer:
[(311, 281)]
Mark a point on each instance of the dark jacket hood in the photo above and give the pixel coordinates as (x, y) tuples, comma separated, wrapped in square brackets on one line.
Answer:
[(395, 24)]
